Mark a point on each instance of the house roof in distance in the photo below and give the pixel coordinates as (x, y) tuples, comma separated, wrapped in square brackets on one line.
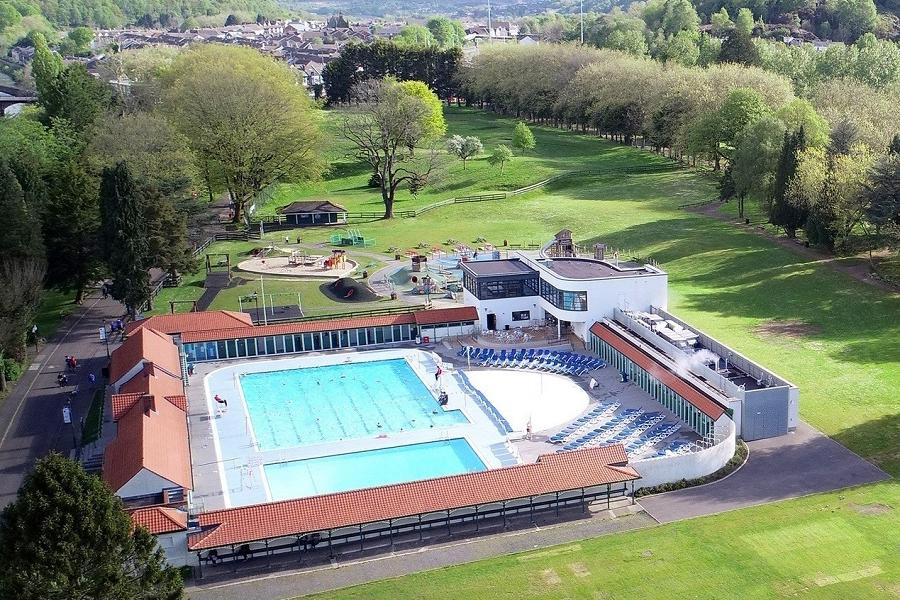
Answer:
[(551, 473), (311, 206)]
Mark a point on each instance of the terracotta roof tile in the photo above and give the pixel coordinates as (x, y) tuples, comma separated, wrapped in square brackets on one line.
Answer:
[(154, 381), (446, 315), (195, 321), (151, 435), (160, 519), (144, 345), (553, 472), (702, 401), (422, 317)]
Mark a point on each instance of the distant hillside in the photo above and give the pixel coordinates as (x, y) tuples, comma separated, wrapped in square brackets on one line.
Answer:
[(114, 13)]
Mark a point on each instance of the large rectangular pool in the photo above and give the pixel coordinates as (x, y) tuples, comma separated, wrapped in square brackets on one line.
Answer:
[(295, 407), (371, 468)]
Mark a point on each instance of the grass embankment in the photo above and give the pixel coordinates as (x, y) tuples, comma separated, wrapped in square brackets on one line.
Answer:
[(826, 546)]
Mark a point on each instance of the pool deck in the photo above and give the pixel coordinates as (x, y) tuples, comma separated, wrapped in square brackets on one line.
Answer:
[(227, 463)]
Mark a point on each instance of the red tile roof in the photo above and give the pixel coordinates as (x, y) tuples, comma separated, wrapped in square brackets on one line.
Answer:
[(700, 399), (195, 321), (151, 435), (552, 473), (122, 403), (160, 519), (446, 315), (154, 381), (144, 345), (423, 317)]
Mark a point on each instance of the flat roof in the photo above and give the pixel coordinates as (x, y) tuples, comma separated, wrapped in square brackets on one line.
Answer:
[(509, 266), (588, 268)]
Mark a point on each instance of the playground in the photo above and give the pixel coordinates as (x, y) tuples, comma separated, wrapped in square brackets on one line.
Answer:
[(289, 262), (437, 273)]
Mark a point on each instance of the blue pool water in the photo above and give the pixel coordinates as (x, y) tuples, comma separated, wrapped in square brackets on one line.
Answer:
[(338, 402), (371, 468)]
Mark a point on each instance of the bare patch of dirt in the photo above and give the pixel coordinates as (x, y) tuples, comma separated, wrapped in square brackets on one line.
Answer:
[(873, 509), (579, 569), (790, 329), (550, 577)]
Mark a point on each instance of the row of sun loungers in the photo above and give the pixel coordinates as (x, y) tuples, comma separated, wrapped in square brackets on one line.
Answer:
[(568, 363), (637, 430)]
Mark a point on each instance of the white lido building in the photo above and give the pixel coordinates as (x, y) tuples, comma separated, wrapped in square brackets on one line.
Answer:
[(572, 292)]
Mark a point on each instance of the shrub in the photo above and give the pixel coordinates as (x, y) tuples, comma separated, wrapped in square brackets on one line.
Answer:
[(740, 455), (11, 369)]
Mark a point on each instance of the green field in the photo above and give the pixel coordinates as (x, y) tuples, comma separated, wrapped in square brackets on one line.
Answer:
[(835, 546)]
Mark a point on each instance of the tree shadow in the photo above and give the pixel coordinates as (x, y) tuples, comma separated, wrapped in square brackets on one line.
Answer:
[(878, 440)]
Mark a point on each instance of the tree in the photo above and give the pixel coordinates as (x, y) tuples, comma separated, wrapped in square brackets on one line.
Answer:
[(500, 156), (464, 148), (72, 228), (883, 195), (46, 68), (245, 116), (782, 212), (125, 237), (21, 228), (21, 282), (523, 138), (389, 123), (68, 536), (78, 41), (9, 16), (446, 32), (721, 22), (744, 21), (414, 35), (738, 48), (435, 126), (799, 113), (232, 20), (670, 16), (756, 160), (742, 107), (844, 136)]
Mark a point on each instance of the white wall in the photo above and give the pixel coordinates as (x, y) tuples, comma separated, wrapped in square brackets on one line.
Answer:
[(669, 469), (175, 547), (503, 309), (144, 483)]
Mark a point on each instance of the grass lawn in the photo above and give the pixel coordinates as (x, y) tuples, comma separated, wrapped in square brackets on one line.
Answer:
[(54, 307), (825, 546)]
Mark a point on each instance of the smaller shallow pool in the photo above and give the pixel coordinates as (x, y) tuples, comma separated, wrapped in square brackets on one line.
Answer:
[(371, 468)]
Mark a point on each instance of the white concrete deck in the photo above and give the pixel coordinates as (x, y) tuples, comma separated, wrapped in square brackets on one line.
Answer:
[(228, 464)]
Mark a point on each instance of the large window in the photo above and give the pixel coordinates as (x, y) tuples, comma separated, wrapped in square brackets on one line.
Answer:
[(564, 299), (521, 315)]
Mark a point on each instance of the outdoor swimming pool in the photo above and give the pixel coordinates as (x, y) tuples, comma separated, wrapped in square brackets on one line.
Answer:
[(371, 468), (295, 407)]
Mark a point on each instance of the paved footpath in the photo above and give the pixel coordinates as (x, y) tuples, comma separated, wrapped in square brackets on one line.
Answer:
[(31, 423), (800, 463)]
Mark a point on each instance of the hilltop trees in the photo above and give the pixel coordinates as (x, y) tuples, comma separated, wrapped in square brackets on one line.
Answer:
[(389, 123), (67, 536), (245, 116)]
